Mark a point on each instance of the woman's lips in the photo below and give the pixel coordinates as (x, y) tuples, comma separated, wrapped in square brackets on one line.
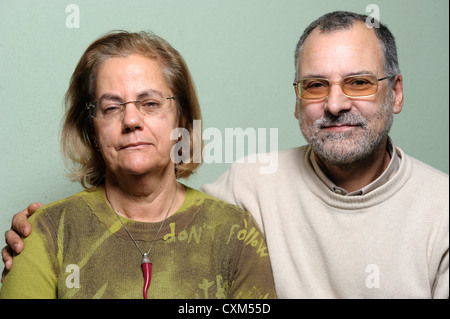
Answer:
[(134, 146)]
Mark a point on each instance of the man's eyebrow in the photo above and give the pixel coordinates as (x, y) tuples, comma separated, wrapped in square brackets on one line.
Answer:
[(363, 72), (313, 75)]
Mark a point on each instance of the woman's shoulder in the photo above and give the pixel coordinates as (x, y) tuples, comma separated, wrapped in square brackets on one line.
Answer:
[(76, 203)]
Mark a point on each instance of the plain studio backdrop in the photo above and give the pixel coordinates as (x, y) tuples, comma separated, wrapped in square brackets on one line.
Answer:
[(241, 56)]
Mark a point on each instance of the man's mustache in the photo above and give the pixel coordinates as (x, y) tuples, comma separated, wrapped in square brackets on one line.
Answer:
[(350, 119)]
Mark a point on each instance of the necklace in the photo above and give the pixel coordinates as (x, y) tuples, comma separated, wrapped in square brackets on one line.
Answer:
[(146, 264)]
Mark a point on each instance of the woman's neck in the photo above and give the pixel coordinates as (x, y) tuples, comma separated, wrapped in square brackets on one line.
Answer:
[(144, 198)]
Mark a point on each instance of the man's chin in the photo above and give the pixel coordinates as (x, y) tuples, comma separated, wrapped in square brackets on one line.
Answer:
[(340, 152)]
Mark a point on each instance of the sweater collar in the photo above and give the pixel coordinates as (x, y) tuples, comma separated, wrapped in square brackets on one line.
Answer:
[(388, 173), (145, 231)]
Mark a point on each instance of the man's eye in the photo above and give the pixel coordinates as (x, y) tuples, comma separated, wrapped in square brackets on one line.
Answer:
[(311, 85), (315, 85), (359, 82)]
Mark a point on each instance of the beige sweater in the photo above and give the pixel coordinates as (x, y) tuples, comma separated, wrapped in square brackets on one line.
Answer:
[(389, 243)]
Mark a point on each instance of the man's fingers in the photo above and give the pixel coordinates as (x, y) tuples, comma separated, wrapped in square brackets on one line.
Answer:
[(7, 258), (14, 242), (20, 223), (4, 272), (20, 220), (19, 226), (33, 207)]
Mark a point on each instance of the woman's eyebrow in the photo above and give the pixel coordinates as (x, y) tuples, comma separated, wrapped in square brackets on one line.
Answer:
[(148, 93), (109, 96), (140, 96)]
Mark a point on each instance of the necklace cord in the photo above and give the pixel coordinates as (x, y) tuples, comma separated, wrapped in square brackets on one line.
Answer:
[(160, 227), (146, 264)]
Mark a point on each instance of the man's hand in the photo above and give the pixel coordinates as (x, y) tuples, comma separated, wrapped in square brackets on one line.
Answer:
[(19, 227)]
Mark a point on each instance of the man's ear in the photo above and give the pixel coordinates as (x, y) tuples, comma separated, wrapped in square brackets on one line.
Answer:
[(297, 109), (398, 94)]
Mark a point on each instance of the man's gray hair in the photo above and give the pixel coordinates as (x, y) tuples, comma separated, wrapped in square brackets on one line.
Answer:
[(343, 20)]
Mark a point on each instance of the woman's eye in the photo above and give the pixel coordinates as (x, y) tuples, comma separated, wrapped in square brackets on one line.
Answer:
[(111, 108), (150, 104)]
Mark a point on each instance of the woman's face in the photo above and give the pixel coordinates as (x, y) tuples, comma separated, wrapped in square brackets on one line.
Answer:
[(134, 143)]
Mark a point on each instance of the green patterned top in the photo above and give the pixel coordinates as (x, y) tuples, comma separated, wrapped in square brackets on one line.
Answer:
[(79, 249)]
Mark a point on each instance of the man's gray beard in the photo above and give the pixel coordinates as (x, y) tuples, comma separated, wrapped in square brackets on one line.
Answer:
[(351, 148)]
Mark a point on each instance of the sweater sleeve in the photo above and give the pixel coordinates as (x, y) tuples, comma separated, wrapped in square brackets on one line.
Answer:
[(440, 286), (252, 276), (33, 274), (223, 187)]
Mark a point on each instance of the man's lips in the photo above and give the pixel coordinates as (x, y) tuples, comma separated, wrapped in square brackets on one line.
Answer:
[(339, 127)]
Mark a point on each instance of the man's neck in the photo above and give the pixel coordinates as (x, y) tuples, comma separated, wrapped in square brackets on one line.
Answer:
[(355, 176)]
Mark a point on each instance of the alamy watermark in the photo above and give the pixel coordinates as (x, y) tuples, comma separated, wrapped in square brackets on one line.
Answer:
[(372, 20), (73, 17), (373, 277), (229, 147), (73, 277)]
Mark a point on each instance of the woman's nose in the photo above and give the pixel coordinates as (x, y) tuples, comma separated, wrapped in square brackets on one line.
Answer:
[(132, 117)]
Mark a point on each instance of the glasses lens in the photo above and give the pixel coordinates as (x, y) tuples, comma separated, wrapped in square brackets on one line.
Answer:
[(313, 88), (107, 109), (153, 105), (360, 85)]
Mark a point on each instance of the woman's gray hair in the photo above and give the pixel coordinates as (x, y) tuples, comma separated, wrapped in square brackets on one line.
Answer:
[(80, 154), (343, 20)]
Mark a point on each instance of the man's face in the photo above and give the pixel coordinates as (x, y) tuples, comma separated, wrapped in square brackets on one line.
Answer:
[(343, 130)]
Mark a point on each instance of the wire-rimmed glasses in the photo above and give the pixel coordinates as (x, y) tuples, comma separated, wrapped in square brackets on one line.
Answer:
[(353, 86), (108, 107)]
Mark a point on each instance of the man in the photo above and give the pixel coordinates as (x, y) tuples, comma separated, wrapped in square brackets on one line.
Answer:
[(349, 215)]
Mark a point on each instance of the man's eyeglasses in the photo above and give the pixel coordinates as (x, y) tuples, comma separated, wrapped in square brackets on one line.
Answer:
[(353, 86), (107, 108)]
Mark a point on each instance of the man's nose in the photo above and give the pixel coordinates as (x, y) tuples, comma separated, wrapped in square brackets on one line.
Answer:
[(336, 101)]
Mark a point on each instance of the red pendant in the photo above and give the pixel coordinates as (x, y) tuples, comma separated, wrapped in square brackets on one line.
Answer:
[(147, 270)]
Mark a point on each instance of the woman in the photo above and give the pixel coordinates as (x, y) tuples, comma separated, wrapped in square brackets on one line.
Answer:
[(135, 231)]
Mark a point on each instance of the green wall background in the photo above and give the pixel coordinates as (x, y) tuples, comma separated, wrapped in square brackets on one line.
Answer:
[(240, 53)]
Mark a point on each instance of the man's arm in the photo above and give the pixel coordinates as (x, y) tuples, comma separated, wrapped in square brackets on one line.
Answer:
[(19, 227), (222, 188), (239, 186), (440, 286)]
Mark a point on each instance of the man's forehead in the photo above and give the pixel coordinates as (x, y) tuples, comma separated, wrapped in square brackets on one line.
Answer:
[(344, 49), (355, 33)]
